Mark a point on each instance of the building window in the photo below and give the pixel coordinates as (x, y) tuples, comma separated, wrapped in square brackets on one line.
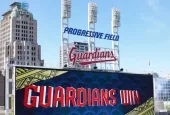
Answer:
[(20, 47), (27, 58), (18, 52), (18, 57), (27, 52), (27, 47), (28, 63), (32, 59), (34, 63)]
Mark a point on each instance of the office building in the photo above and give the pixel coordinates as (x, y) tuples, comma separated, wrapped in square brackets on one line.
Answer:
[(162, 89), (18, 38)]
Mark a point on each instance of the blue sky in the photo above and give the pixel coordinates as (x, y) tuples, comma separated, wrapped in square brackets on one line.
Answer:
[(144, 31)]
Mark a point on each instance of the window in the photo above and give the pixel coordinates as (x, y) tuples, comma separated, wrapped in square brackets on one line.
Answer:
[(32, 53), (34, 63), (18, 57), (32, 48), (27, 58), (32, 59), (28, 63), (20, 52), (27, 52), (20, 47), (27, 47)]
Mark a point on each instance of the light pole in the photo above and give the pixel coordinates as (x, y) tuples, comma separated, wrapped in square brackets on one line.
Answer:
[(65, 15), (92, 19), (115, 24)]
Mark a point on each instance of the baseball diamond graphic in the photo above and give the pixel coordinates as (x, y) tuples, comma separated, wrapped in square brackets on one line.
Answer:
[(26, 76)]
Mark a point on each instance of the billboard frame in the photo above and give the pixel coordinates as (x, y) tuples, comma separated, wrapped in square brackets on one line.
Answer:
[(11, 69)]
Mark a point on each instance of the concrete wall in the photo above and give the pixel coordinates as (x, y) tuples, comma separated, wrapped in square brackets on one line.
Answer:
[(2, 90)]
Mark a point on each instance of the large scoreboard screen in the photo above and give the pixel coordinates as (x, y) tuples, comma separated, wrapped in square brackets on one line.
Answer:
[(45, 91)]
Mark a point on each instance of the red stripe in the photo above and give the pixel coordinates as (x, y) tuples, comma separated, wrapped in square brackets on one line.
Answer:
[(91, 62)]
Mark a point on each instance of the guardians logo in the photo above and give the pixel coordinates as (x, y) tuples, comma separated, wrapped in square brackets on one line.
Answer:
[(60, 97), (91, 57)]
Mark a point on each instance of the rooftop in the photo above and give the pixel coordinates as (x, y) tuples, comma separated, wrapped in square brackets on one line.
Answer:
[(15, 3), (6, 13)]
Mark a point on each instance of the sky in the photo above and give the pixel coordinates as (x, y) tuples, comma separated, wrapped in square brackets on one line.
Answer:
[(144, 31)]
